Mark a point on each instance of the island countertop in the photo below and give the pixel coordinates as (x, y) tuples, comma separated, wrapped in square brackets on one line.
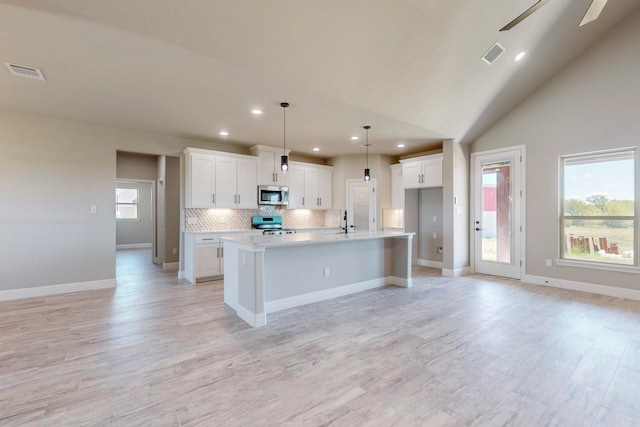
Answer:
[(269, 241)]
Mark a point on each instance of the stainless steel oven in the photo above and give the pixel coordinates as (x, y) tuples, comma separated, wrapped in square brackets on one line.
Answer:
[(273, 195)]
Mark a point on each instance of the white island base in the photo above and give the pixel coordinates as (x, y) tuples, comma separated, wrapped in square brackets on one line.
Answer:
[(265, 274)]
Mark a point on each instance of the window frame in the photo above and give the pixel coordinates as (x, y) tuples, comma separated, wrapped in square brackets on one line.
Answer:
[(136, 204), (600, 265)]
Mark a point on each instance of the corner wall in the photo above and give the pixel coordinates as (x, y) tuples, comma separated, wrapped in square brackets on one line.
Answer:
[(593, 104)]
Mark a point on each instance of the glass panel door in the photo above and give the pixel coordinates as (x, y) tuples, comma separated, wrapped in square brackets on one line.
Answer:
[(496, 213)]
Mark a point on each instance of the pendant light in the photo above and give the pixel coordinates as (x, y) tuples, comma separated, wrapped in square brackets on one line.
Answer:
[(284, 160), (367, 171)]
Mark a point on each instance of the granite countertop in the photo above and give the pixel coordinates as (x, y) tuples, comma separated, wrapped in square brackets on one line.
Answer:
[(311, 238)]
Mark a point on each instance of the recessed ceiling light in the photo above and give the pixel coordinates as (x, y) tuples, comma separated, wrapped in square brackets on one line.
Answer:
[(354, 138), (224, 133), (316, 149), (400, 146), (256, 112), (520, 56)]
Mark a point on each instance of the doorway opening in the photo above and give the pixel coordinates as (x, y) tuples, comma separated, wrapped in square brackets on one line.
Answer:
[(147, 211)]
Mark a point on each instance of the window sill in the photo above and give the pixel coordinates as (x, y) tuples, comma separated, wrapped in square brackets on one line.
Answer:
[(598, 266)]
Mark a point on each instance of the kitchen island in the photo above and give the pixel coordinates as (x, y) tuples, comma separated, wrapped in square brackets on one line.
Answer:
[(265, 274)]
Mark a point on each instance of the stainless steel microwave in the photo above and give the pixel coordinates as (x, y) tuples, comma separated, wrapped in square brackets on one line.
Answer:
[(273, 195)]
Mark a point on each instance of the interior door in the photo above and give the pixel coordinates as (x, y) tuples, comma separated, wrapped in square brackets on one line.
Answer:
[(497, 222), (361, 205)]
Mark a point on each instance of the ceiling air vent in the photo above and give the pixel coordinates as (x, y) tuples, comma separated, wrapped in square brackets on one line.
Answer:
[(493, 53), (24, 71)]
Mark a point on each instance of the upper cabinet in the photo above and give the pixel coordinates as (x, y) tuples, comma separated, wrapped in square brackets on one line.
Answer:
[(269, 172), (310, 186), (220, 180), (422, 172)]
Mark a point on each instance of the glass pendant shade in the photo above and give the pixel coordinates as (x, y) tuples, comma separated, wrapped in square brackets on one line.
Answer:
[(367, 174), (284, 163)]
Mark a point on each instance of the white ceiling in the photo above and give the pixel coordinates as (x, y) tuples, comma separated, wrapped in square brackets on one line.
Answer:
[(409, 68)]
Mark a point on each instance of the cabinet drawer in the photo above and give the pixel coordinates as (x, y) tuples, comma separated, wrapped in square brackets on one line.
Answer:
[(207, 238)]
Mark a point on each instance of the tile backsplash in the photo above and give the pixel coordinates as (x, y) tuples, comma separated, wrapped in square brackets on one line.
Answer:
[(198, 220)]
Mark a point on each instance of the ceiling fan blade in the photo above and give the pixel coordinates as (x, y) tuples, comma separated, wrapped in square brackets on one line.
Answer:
[(524, 15), (593, 12)]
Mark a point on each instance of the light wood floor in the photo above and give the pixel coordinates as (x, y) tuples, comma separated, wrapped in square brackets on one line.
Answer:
[(469, 351)]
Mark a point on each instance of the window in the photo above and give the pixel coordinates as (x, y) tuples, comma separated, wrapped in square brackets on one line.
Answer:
[(126, 203), (598, 210)]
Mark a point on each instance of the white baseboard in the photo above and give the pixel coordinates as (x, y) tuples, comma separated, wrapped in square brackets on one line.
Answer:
[(611, 291), (134, 246), (255, 320), (325, 294), (455, 273), (398, 281), (427, 263), (42, 291), (170, 266)]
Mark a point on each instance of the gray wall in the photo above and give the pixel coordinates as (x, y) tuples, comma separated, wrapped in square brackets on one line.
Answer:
[(593, 104), (172, 209), (51, 172), (429, 206)]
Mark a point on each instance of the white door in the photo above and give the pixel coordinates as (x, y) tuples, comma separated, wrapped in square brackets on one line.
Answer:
[(226, 183), (497, 212), (247, 184), (361, 205)]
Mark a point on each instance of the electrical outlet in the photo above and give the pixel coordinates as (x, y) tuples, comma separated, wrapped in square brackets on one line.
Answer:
[(192, 221), (174, 251), (94, 209), (549, 263), (326, 272), (435, 219), (435, 235)]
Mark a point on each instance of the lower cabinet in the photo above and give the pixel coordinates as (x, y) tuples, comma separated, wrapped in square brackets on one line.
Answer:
[(203, 256)]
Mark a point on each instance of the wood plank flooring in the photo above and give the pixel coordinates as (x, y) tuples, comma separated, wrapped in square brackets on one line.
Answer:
[(475, 351)]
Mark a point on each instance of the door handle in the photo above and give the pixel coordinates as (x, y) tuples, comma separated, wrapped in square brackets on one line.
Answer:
[(478, 228), (303, 201), (213, 197)]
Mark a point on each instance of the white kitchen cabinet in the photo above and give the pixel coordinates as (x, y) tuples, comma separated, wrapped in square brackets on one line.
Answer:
[(201, 181), (269, 172), (204, 256), (296, 186), (325, 189), (422, 172), (219, 180), (236, 183), (310, 186)]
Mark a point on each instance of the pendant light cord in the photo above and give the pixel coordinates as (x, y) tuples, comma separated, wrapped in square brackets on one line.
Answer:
[(284, 131)]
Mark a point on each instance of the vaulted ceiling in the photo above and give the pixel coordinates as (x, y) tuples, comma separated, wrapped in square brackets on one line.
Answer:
[(409, 68)]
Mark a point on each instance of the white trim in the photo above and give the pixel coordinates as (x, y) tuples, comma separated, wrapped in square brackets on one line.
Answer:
[(598, 266), (42, 291), (427, 263), (255, 320), (456, 272), (170, 266), (181, 274), (325, 294), (612, 291), (399, 281), (134, 246)]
